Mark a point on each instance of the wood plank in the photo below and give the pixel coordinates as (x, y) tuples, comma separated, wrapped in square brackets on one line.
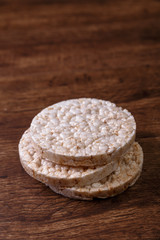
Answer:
[(56, 50)]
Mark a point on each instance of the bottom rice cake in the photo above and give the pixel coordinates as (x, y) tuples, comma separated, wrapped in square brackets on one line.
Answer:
[(125, 176)]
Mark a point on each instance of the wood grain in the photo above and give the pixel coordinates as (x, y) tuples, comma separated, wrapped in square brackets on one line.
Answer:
[(56, 50)]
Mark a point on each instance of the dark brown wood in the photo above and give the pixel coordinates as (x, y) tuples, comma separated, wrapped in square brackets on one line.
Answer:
[(56, 50)]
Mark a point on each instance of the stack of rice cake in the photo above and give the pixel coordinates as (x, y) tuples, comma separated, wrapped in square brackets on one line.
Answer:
[(83, 148)]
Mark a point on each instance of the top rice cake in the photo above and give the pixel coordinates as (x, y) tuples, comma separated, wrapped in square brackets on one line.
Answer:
[(83, 132)]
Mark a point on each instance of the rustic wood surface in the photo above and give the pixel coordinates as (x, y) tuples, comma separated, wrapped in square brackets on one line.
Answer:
[(56, 50)]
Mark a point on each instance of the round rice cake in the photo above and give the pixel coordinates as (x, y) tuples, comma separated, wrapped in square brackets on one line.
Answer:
[(59, 175), (125, 176), (83, 132)]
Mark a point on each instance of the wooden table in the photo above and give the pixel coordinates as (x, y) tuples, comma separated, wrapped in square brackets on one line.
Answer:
[(56, 50)]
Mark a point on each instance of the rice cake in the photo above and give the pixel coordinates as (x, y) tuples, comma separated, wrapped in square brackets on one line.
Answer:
[(83, 132), (58, 175)]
